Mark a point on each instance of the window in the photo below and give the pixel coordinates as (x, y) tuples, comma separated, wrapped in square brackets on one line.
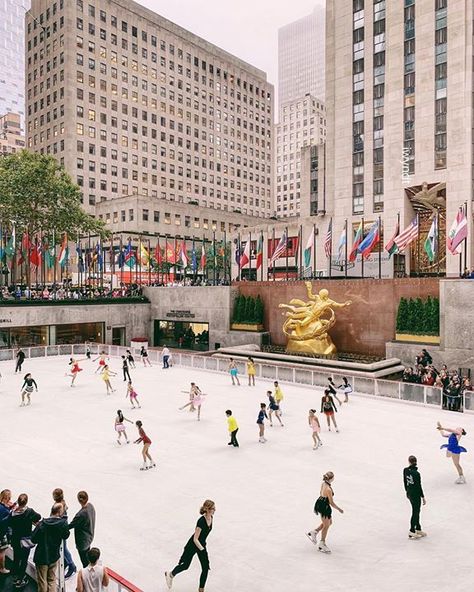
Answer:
[(145, 215)]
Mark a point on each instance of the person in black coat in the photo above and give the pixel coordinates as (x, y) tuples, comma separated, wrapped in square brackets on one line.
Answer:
[(415, 495), (48, 537), (83, 525), (22, 520)]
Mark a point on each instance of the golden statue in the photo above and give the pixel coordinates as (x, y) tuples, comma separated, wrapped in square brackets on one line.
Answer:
[(305, 328)]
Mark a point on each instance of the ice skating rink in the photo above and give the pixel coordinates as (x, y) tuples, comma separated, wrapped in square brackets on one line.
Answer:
[(264, 493)]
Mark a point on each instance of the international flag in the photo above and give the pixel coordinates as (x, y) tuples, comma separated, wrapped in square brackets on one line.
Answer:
[(129, 257), (260, 251), (35, 253), (183, 254), (144, 255), (369, 242), (121, 258), (24, 249), (194, 263), (431, 242), (170, 253), (245, 255), (158, 254), (391, 246), (355, 244), (49, 253), (308, 250), (64, 252), (328, 240), (2, 252), (80, 258), (203, 257), (457, 232), (238, 252), (98, 255), (10, 251), (281, 248), (341, 247), (408, 235)]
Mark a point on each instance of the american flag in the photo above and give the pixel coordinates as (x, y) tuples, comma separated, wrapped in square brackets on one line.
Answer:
[(328, 240), (408, 235), (281, 247)]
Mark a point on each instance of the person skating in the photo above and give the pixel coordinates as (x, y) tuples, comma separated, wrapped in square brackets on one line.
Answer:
[(273, 408), (346, 389), (126, 373), (83, 525), (28, 384), (453, 449), (328, 407), (165, 354), (75, 369), (143, 438), (196, 399), (278, 394), (102, 357), (132, 395), (251, 371), (323, 507), (20, 358), (315, 426), (144, 356), (333, 390), (415, 495), (233, 428), (196, 545), (130, 358), (120, 428), (106, 374), (262, 416), (233, 371)]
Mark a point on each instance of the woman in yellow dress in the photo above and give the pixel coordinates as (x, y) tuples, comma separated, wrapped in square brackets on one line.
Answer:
[(251, 371), (106, 374)]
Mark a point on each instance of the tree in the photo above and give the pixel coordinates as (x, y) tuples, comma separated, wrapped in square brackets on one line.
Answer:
[(434, 316), (37, 195), (402, 316), (259, 310), (426, 322), (249, 306), (236, 314)]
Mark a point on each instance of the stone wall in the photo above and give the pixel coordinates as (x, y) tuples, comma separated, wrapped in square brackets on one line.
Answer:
[(364, 327)]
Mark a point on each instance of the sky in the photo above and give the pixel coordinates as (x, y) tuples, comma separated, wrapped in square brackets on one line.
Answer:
[(245, 28)]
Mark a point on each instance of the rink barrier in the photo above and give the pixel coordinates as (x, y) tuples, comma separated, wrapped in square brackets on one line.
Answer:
[(290, 374)]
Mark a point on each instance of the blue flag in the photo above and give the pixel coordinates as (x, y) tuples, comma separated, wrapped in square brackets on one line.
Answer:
[(194, 263), (80, 259)]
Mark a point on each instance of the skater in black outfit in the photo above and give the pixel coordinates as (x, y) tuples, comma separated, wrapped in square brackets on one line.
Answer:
[(126, 373), (20, 358), (323, 507), (332, 389), (415, 495), (196, 545), (131, 359)]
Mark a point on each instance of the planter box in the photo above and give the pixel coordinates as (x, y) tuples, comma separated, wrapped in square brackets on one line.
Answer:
[(410, 338), (246, 327)]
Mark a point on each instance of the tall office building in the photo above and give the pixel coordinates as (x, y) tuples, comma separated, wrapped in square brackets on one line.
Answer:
[(301, 57), (400, 118), (134, 105), (12, 56), (11, 138)]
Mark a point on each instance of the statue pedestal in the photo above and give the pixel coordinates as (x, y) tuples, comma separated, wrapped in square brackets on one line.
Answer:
[(322, 345)]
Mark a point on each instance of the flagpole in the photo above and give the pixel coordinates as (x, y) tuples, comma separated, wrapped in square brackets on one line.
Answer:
[(330, 254), (54, 258), (465, 240), (300, 260), (214, 256), (418, 246), (273, 249), (239, 247), (361, 255), (437, 241), (313, 275), (345, 252), (261, 265), (380, 247)]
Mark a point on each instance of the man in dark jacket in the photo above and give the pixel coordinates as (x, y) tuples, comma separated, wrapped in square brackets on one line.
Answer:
[(415, 495), (48, 536), (83, 524), (22, 520), (20, 358)]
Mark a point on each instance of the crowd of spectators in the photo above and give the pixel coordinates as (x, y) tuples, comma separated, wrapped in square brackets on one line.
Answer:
[(67, 291), (452, 382)]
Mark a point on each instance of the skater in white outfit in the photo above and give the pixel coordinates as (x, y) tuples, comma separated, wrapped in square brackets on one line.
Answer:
[(28, 384), (453, 449), (120, 428), (346, 389), (315, 426), (323, 507)]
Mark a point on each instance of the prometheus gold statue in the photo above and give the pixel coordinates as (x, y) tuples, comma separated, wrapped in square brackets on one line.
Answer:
[(305, 327)]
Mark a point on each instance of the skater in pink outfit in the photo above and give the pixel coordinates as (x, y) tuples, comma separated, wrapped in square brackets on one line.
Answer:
[(196, 400), (132, 395), (315, 426)]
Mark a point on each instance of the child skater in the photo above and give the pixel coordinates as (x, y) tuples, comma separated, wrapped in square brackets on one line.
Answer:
[(102, 357), (251, 371), (146, 445), (323, 507), (233, 370), (27, 389), (314, 424), (332, 389), (196, 400), (262, 416), (106, 374), (88, 351), (453, 449), (75, 369), (120, 428), (278, 394), (328, 407), (132, 395), (273, 407), (346, 389), (130, 358)]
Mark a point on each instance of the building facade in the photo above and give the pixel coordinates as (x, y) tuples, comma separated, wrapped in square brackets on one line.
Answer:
[(12, 57), (133, 104), (394, 148), (302, 123), (11, 136), (301, 57)]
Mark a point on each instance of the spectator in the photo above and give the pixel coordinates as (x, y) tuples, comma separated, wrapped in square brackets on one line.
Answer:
[(69, 565), (83, 524), (48, 536), (93, 578), (22, 521), (5, 509)]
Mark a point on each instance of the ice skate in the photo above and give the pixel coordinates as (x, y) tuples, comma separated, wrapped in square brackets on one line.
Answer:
[(119, 443), (169, 579), (315, 447), (421, 533), (460, 480), (313, 536), (323, 548), (413, 535), (145, 468)]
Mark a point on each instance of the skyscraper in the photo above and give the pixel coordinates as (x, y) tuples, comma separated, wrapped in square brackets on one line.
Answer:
[(12, 56), (301, 57)]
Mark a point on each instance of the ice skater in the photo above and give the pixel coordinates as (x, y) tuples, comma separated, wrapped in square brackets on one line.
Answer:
[(262, 416), (196, 545), (144, 356), (102, 357), (28, 384), (453, 449), (332, 389), (120, 428), (278, 394), (346, 389), (88, 351), (132, 395), (233, 370), (273, 408), (126, 373), (415, 495), (75, 369), (315, 426), (165, 355), (20, 358), (196, 399), (146, 445), (106, 374), (251, 371), (323, 507), (131, 359), (328, 407), (233, 428)]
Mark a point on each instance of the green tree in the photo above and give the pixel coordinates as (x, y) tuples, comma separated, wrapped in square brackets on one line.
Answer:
[(249, 306), (259, 310), (402, 316), (38, 195), (237, 308), (434, 317)]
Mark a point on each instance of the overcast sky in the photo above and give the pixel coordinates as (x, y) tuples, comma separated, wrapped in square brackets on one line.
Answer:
[(246, 28)]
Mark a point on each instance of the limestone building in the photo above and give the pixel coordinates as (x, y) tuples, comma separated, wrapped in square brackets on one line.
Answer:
[(134, 105), (11, 136), (399, 110)]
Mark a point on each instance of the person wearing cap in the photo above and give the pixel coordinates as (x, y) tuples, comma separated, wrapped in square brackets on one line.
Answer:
[(415, 495)]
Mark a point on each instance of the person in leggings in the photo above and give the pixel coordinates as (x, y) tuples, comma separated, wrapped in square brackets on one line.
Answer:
[(196, 545)]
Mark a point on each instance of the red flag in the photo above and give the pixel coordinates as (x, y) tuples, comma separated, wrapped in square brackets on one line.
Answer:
[(35, 254), (245, 258), (170, 253), (203, 257), (158, 254)]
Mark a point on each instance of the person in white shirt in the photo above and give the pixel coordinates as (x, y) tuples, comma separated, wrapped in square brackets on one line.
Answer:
[(93, 578), (165, 354)]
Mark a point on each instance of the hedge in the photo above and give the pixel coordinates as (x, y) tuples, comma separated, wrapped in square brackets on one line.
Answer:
[(418, 317), (248, 310)]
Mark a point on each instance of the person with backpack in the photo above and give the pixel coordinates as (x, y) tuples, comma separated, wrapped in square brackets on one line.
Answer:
[(22, 520)]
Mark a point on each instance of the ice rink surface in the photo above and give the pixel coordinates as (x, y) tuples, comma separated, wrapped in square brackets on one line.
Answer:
[(264, 493)]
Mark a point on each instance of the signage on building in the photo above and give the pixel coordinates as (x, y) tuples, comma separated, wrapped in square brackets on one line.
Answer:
[(2, 321), (180, 314)]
